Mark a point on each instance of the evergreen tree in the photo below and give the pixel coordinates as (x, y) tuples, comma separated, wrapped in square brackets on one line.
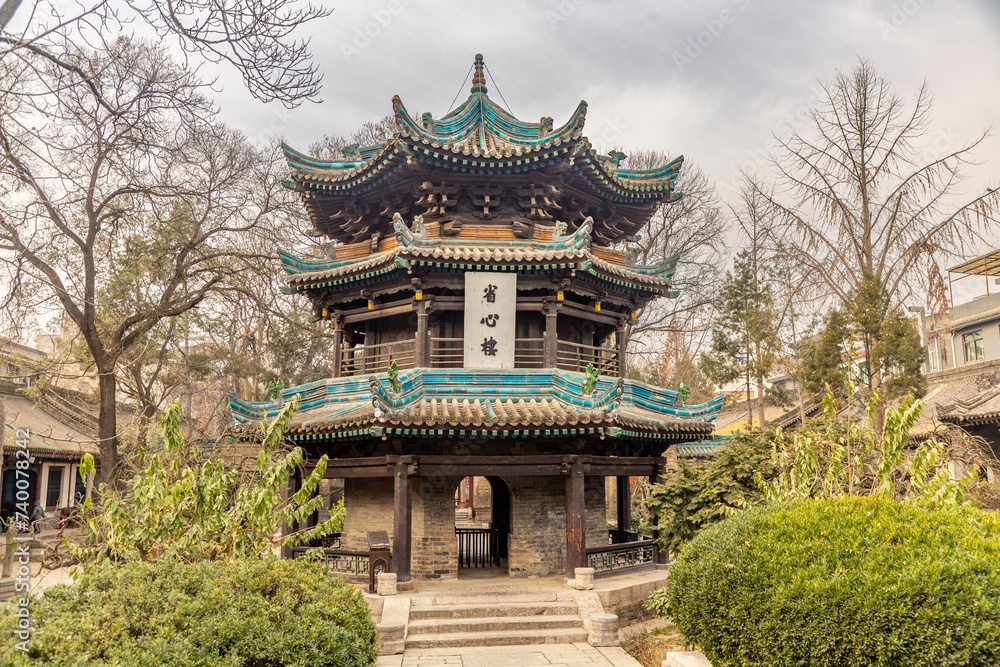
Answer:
[(745, 340), (874, 341)]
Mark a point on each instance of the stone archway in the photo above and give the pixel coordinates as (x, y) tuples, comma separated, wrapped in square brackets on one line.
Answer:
[(482, 525)]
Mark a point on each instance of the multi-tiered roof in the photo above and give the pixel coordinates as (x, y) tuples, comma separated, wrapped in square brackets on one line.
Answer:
[(479, 162), (479, 190)]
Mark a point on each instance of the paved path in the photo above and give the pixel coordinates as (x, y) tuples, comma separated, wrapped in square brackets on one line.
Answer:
[(500, 656)]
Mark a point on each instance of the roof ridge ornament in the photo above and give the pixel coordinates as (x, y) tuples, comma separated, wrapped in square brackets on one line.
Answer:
[(479, 79)]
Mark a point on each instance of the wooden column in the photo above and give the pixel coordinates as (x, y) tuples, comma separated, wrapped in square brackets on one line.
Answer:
[(402, 496), (368, 356), (624, 497), (338, 345), (550, 310), (576, 526), (423, 341), (620, 340), (293, 484), (660, 556)]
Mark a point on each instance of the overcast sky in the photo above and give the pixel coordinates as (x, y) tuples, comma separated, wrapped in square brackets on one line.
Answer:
[(708, 79)]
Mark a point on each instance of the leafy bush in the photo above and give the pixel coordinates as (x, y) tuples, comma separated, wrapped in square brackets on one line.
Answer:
[(691, 497), (181, 505), (842, 456), (260, 613), (842, 581)]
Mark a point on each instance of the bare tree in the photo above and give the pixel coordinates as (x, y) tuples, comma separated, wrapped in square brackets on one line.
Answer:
[(855, 196), (331, 146), (130, 214), (695, 229), (253, 36)]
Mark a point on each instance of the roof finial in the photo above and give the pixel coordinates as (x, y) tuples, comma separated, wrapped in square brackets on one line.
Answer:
[(479, 79)]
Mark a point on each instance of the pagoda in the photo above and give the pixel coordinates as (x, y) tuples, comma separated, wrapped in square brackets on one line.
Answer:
[(479, 303)]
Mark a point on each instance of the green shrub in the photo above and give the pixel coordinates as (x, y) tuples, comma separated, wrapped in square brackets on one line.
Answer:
[(842, 581), (180, 505), (260, 613), (692, 497)]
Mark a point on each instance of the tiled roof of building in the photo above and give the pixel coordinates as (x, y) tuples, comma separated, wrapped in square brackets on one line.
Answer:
[(48, 436), (478, 137), (972, 398), (511, 400), (519, 254)]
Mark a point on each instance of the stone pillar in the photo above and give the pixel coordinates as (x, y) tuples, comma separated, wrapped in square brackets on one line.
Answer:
[(576, 542), (402, 496), (624, 497), (551, 336), (622, 357)]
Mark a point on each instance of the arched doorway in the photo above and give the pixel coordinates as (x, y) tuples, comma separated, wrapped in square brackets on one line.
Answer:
[(482, 525)]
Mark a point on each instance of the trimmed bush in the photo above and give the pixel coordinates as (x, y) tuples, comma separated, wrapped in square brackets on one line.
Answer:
[(243, 613), (842, 581)]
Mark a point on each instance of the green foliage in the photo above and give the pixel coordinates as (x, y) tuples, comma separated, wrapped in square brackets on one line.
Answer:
[(870, 341), (246, 613), (393, 374), (274, 389), (846, 457), (838, 456), (745, 338), (691, 498), (683, 391), (842, 581), (591, 382), (182, 506)]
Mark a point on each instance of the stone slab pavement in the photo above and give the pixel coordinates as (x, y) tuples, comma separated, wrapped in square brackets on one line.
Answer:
[(502, 656)]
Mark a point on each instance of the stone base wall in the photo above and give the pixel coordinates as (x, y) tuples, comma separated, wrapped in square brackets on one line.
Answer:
[(538, 524), (367, 506), (434, 546), (537, 540)]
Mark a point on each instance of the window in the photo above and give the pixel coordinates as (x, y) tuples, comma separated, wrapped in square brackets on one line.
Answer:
[(973, 345), (53, 487), (932, 359)]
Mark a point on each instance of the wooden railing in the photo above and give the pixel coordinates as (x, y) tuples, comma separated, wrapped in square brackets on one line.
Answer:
[(450, 353), (576, 356), (376, 358), (477, 547), (626, 556), (447, 352), (529, 353)]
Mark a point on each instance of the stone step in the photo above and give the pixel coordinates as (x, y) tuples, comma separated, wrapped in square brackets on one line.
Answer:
[(492, 624), (506, 609), (499, 638), (485, 597)]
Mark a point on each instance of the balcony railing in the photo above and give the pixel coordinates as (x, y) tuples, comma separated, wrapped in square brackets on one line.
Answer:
[(449, 353), (576, 356), (376, 358), (529, 353)]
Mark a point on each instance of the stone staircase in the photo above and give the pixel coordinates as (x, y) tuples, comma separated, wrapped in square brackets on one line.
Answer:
[(494, 619)]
